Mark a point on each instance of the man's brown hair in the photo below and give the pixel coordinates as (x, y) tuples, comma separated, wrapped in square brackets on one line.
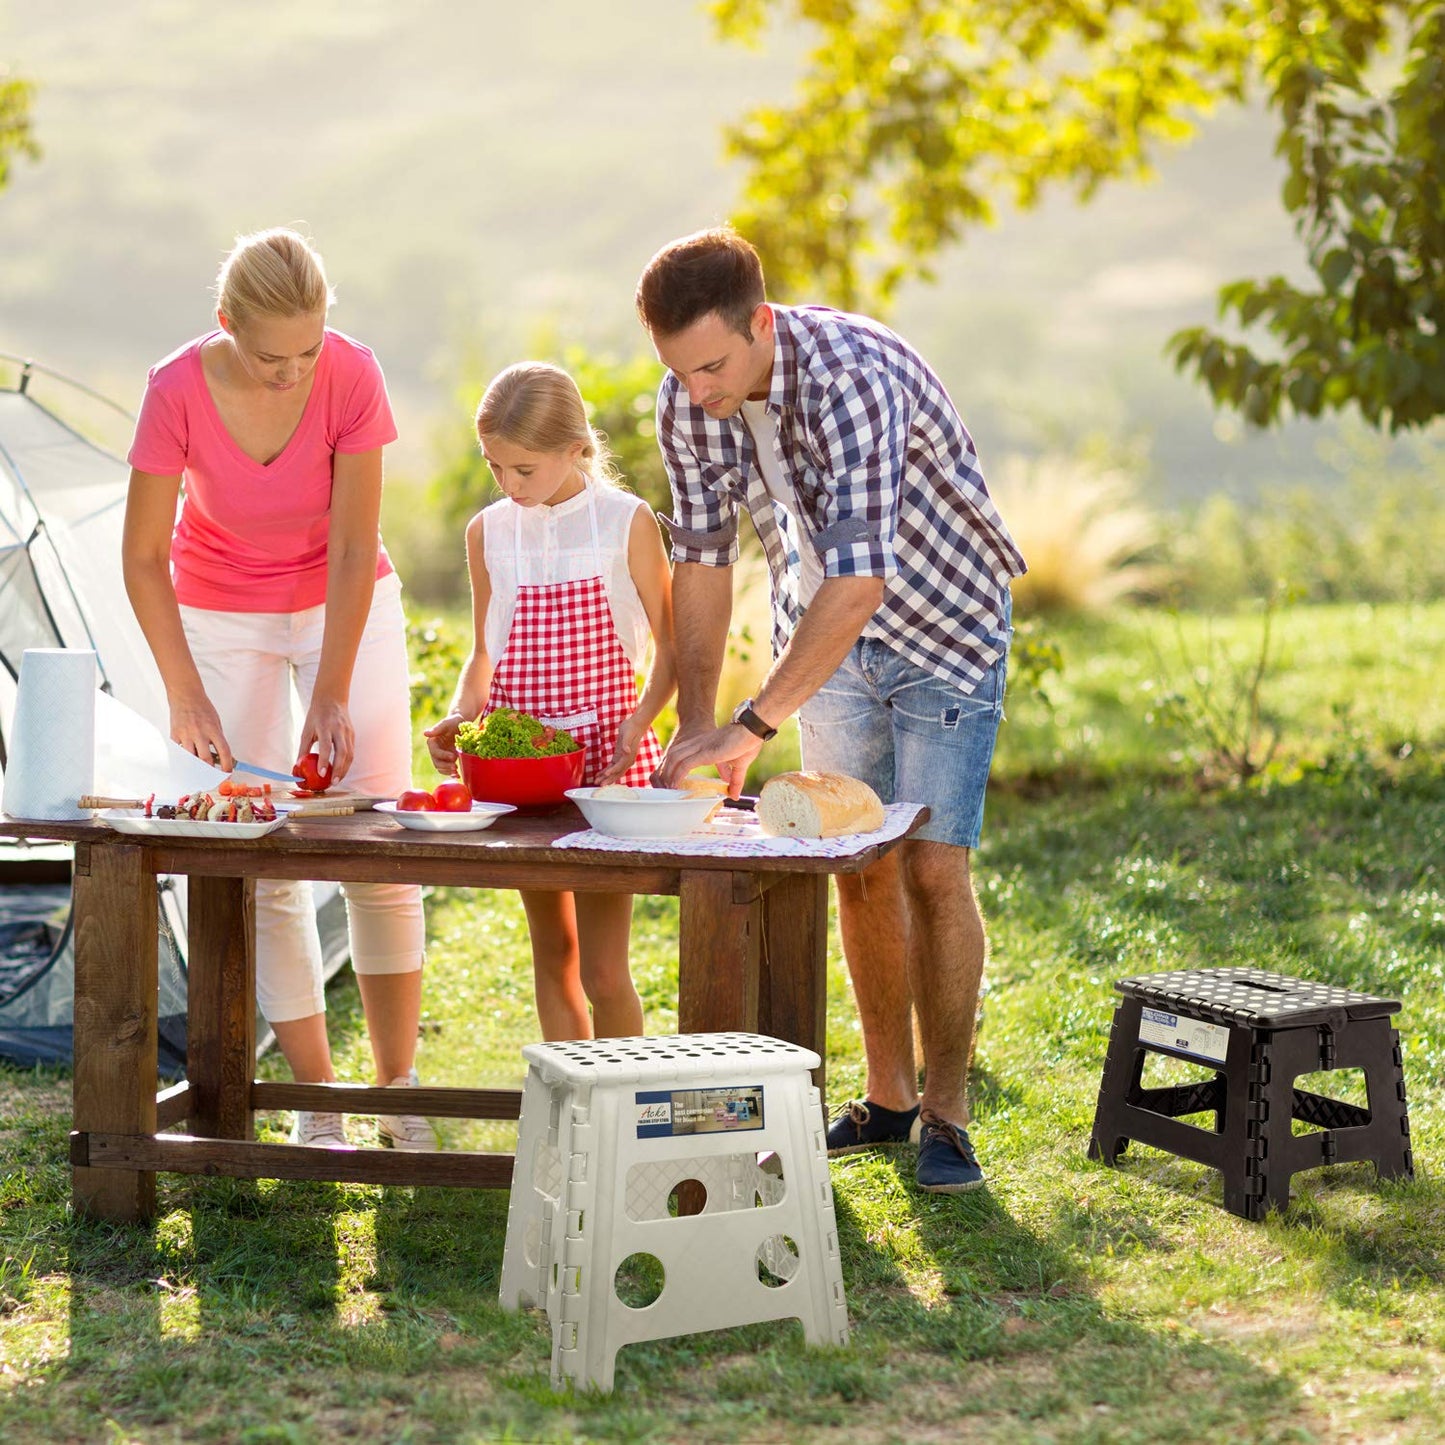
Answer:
[(690, 278)]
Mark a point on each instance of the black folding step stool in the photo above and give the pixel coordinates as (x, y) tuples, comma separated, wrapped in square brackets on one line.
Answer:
[(1260, 1031)]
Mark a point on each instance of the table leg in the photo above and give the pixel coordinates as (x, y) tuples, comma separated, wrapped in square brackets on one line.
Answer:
[(793, 989), (221, 1007), (114, 1090), (719, 951)]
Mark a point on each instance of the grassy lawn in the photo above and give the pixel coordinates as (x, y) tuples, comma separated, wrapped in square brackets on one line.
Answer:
[(1067, 1302)]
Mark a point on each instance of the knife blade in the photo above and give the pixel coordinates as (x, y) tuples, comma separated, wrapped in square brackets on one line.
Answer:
[(258, 771)]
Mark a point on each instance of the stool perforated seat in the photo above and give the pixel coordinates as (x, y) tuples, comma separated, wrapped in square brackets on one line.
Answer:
[(616, 1133), (1259, 1031)]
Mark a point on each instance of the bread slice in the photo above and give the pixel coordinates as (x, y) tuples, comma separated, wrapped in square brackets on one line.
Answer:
[(713, 787), (818, 805)]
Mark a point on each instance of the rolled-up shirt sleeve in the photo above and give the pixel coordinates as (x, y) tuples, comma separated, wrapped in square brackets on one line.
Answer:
[(859, 435), (704, 523)]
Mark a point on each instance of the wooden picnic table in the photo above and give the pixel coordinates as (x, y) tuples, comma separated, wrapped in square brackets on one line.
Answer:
[(752, 941)]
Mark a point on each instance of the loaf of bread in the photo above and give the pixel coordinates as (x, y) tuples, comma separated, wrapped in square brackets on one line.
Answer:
[(818, 805)]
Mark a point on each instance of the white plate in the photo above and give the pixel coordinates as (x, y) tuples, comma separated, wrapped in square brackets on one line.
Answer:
[(483, 815), (653, 813), (130, 821)]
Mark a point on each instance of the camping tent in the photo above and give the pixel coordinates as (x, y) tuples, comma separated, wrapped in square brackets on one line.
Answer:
[(62, 506)]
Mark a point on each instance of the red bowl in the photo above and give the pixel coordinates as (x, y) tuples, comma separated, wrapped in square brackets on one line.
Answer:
[(535, 783)]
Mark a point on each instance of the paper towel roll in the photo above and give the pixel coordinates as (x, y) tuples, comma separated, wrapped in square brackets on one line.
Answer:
[(52, 739)]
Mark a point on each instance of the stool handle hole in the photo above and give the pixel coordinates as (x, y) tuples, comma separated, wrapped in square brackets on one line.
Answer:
[(778, 1259), (639, 1281)]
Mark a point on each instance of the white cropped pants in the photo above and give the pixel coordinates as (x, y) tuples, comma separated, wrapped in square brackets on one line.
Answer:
[(258, 667)]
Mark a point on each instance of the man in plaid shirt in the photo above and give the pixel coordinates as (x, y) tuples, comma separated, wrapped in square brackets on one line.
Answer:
[(890, 573)]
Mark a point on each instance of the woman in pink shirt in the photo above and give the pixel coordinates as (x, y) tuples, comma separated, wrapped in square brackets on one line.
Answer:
[(273, 578)]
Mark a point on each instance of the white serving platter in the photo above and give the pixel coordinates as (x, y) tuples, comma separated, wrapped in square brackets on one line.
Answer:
[(483, 815), (652, 813), (131, 821)]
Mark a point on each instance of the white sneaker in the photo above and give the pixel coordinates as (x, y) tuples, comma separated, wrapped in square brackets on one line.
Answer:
[(320, 1131), (406, 1131)]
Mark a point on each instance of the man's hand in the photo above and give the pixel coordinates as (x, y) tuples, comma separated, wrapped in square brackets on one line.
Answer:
[(731, 748)]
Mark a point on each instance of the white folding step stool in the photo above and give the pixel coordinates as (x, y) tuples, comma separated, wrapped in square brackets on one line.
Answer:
[(611, 1132)]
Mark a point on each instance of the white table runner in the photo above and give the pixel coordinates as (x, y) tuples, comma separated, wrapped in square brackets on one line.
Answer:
[(746, 840)]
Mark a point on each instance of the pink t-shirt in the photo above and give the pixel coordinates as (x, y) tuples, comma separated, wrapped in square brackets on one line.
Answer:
[(252, 537)]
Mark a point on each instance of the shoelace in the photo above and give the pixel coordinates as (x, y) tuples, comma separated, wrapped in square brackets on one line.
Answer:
[(311, 1126), (953, 1133), (411, 1127), (859, 1112)]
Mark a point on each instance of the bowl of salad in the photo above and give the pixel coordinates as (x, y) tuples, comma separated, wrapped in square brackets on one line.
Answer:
[(512, 757)]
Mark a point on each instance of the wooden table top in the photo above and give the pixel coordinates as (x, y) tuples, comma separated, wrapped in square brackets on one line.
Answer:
[(368, 846)]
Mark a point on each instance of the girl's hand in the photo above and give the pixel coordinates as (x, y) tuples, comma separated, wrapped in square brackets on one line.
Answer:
[(441, 743), (196, 726), (328, 733), (629, 740)]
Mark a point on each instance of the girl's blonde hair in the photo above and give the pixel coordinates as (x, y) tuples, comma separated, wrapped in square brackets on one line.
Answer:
[(538, 406), (272, 273)]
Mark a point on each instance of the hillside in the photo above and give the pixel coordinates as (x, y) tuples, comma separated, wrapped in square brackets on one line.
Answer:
[(479, 174)]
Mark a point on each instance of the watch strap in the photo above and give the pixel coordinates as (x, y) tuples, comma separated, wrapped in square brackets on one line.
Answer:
[(753, 723)]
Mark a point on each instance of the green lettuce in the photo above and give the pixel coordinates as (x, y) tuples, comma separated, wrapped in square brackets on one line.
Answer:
[(507, 733)]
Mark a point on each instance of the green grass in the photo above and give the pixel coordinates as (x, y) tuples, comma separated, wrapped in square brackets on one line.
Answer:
[(1067, 1302)]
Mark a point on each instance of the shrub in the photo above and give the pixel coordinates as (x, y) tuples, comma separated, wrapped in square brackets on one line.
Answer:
[(426, 532), (1219, 705), (437, 649), (1372, 540), (1089, 540)]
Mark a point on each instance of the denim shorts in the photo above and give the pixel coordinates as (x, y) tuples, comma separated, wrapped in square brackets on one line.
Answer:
[(911, 736)]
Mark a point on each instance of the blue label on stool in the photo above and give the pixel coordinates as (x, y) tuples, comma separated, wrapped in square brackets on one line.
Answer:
[(662, 1113)]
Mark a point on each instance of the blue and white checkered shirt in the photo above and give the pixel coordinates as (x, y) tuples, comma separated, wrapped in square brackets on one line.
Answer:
[(887, 481)]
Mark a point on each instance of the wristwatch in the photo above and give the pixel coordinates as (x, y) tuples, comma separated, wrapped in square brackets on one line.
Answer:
[(745, 715)]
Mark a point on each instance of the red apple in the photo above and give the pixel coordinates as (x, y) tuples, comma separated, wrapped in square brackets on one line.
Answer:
[(416, 800), (452, 796)]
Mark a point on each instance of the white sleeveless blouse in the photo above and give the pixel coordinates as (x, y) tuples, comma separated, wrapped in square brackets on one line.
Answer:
[(532, 546)]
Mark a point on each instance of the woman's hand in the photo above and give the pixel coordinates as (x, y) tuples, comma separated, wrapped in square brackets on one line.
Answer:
[(328, 733), (196, 726), (441, 743), (629, 740)]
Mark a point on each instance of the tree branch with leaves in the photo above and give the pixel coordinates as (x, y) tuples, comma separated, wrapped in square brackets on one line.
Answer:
[(914, 119), (16, 134), (1365, 187)]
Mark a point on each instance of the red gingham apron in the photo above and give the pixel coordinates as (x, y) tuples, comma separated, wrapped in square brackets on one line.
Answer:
[(564, 664)]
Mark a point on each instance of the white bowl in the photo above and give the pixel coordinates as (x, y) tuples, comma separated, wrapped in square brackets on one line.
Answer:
[(483, 815), (651, 813)]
